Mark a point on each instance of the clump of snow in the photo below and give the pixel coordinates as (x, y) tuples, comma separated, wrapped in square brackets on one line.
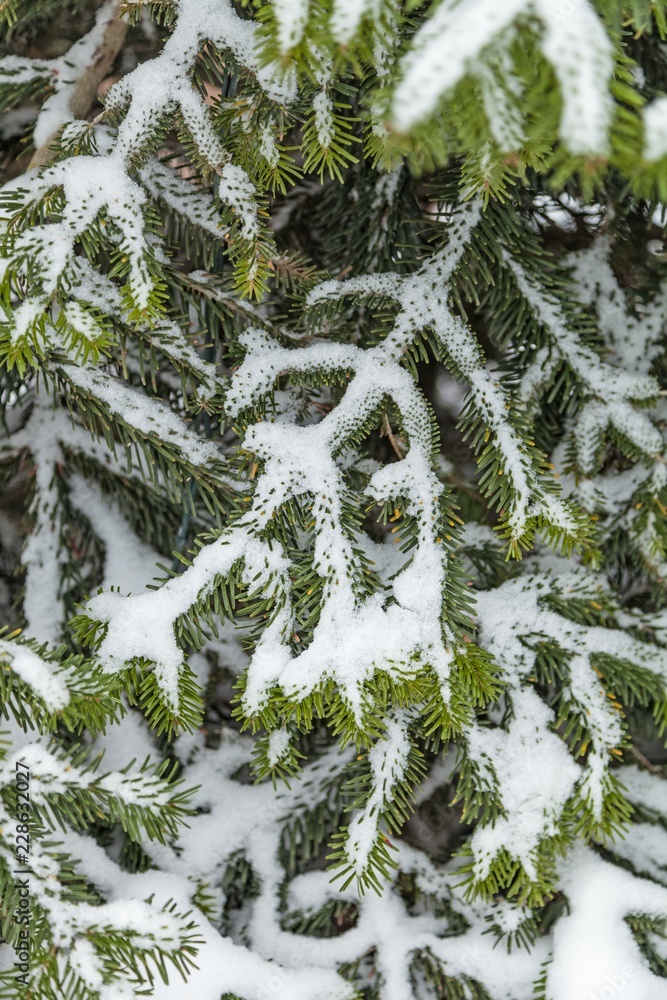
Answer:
[(655, 129), (279, 743), (346, 16), (236, 190), (324, 122), (532, 797), (291, 18), (37, 673)]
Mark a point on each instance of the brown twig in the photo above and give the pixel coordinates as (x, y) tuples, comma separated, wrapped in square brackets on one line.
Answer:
[(645, 763), (84, 91), (394, 442)]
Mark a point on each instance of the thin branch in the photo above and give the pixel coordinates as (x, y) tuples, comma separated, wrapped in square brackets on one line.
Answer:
[(639, 756), (392, 438)]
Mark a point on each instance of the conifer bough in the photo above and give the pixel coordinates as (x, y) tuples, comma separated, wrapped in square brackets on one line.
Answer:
[(332, 361)]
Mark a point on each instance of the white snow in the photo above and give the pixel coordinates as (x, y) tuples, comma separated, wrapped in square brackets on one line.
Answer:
[(580, 51), (144, 414), (442, 51), (655, 129), (37, 673), (536, 776), (346, 16), (399, 630), (279, 743), (388, 759), (595, 954), (43, 555), (324, 121), (291, 18)]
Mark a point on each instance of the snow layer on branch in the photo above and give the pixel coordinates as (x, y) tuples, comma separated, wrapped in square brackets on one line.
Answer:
[(143, 626), (43, 555), (248, 820), (69, 433), (595, 417), (129, 563), (346, 16), (594, 949), (181, 196), (589, 949), (645, 789), (513, 620), (91, 287), (644, 846), (49, 435), (518, 609), (423, 298), (578, 48), (56, 110), (442, 50), (612, 390), (198, 207), (604, 380), (353, 637), (164, 82), (100, 188), (633, 336), (37, 673), (144, 414), (236, 190), (92, 185), (501, 91), (388, 759), (291, 18), (55, 775), (451, 42), (533, 796), (345, 645), (74, 925)]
